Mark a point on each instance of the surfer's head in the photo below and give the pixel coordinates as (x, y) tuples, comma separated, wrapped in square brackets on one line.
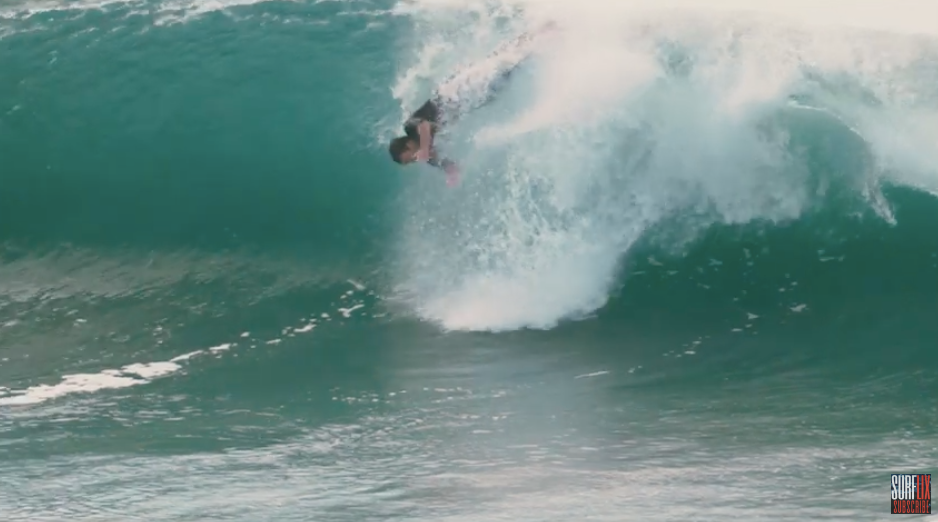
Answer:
[(403, 150)]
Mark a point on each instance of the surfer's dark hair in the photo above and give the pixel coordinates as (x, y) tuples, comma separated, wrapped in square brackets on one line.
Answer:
[(397, 147)]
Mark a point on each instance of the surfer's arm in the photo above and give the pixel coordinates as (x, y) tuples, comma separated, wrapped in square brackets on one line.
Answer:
[(425, 131), (448, 166)]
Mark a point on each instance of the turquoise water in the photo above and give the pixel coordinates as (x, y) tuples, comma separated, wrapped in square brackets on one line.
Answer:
[(690, 274)]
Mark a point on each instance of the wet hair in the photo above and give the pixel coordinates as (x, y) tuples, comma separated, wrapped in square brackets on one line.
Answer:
[(397, 147)]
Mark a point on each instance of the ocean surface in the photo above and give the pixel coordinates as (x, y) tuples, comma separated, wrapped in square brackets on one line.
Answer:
[(690, 274)]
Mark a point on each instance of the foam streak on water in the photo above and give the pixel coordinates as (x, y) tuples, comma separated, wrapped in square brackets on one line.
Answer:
[(648, 112)]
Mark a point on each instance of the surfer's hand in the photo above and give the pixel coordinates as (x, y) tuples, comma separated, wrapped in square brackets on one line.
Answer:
[(452, 175), (423, 155)]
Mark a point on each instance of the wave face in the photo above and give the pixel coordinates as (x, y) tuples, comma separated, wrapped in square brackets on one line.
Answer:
[(211, 145), (647, 123)]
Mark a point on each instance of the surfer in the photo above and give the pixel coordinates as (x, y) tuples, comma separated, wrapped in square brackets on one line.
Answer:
[(417, 144)]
